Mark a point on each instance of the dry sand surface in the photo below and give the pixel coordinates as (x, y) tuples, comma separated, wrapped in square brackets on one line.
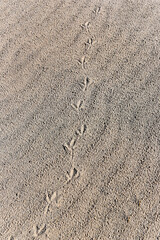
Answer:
[(79, 120)]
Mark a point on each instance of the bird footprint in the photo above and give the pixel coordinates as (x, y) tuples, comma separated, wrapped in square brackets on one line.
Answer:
[(69, 147), (85, 26), (11, 238), (72, 174), (77, 106), (97, 10), (82, 130), (86, 84), (50, 199), (39, 230), (90, 42), (82, 61)]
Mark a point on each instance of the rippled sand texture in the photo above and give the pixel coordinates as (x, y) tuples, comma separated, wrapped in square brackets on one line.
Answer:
[(80, 120)]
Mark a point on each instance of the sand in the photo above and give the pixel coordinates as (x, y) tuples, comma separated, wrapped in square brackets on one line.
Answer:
[(79, 120)]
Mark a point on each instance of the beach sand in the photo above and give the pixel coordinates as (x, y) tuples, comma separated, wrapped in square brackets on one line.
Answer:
[(79, 120)]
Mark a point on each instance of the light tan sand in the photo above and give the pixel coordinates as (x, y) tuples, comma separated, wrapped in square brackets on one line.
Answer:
[(80, 120)]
